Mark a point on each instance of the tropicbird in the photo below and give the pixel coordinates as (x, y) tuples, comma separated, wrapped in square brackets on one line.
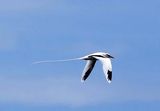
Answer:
[(104, 58)]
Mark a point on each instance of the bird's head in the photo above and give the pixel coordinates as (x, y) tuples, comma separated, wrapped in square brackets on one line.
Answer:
[(108, 55)]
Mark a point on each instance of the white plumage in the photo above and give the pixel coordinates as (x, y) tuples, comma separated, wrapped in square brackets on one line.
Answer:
[(104, 58), (91, 59)]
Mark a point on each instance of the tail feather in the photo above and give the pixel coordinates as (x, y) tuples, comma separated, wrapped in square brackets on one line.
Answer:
[(52, 61)]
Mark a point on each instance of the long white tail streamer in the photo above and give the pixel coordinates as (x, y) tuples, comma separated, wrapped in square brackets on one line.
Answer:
[(51, 61)]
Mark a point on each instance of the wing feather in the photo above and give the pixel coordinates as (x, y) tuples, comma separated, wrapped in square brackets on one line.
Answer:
[(87, 70), (107, 68)]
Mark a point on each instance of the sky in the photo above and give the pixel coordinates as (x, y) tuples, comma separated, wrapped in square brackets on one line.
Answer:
[(33, 30)]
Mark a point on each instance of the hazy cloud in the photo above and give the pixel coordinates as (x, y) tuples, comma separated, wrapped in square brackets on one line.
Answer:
[(69, 91)]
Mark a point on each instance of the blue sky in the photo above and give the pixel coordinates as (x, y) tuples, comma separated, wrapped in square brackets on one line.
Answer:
[(33, 30)]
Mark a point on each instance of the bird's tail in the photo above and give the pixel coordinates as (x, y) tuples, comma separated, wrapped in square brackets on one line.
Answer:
[(52, 61)]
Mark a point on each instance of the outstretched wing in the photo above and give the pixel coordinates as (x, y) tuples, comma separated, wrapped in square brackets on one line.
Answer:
[(87, 70), (107, 68)]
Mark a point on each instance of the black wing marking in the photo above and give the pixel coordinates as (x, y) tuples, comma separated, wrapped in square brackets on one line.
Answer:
[(109, 75), (87, 70)]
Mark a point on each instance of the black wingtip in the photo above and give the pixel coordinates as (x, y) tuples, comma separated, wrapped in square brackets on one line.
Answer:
[(109, 75)]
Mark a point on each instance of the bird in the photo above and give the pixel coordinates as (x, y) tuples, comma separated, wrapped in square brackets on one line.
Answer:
[(91, 59), (104, 58)]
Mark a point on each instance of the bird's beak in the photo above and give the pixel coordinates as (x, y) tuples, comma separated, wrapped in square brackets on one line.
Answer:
[(111, 57)]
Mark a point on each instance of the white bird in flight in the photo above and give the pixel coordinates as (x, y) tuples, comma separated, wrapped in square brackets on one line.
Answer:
[(91, 59)]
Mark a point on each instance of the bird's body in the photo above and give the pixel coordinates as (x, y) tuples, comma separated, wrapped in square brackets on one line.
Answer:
[(91, 59)]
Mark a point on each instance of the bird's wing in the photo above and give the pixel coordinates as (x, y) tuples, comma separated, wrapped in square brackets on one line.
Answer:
[(87, 70), (107, 68)]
